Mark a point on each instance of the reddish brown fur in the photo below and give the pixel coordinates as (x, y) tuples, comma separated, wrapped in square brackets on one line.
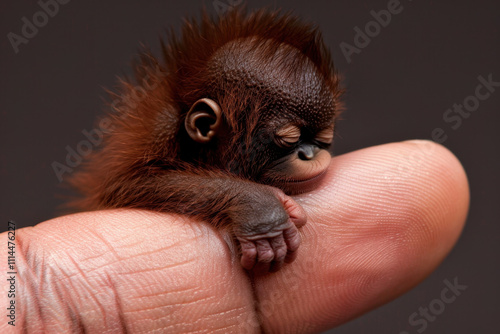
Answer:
[(139, 139), (150, 160)]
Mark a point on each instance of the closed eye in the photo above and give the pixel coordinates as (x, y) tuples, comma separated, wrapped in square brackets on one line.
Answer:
[(325, 136), (287, 136)]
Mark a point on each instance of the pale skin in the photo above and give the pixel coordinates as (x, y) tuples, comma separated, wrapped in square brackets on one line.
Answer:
[(381, 221)]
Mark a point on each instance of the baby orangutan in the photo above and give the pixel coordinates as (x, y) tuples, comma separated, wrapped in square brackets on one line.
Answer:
[(239, 115)]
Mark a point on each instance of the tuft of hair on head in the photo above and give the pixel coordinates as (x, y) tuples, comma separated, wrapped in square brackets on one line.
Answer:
[(186, 56)]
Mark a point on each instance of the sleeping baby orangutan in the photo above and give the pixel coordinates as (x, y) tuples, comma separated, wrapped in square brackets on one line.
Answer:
[(239, 115)]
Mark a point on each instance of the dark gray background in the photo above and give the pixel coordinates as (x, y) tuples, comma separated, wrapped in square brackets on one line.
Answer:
[(399, 86)]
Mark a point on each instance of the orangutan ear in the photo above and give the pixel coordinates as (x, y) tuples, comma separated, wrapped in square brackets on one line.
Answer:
[(203, 120)]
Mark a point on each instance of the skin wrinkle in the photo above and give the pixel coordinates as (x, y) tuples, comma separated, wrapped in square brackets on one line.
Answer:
[(84, 287), (107, 264), (175, 265), (189, 322), (86, 279), (170, 291), (217, 314), (118, 306), (100, 239), (184, 299), (70, 311), (42, 282), (26, 286), (110, 248), (52, 308)]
